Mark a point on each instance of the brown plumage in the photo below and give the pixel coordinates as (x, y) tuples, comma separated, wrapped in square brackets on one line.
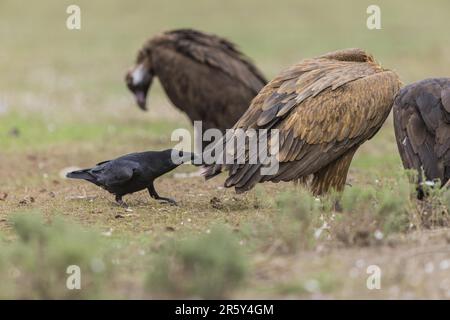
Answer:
[(324, 108), (202, 74), (422, 128)]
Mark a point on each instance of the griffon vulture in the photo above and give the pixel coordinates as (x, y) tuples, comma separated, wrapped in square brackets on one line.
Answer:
[(324, 109), (422, 129), (202, 74)]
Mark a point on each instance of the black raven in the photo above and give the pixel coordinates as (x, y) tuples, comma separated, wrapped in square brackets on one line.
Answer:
[(133, 172)]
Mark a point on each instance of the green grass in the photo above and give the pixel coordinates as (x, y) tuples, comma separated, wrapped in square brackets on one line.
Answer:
[(208, 266), (33, 132), (36, 264)]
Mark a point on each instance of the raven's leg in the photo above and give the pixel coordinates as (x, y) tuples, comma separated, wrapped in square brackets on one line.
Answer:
[(155, 195), (120, 202)]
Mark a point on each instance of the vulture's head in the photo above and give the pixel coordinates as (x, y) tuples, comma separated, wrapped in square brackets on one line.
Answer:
[(139, 78)]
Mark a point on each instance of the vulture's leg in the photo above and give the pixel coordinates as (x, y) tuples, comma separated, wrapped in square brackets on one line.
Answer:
[(447, 184), (302, 181), (120, 202), (156, 196), (334, 175)]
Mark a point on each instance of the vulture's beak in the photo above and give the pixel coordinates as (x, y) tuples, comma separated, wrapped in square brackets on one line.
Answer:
[(138, 81), (141, 99)]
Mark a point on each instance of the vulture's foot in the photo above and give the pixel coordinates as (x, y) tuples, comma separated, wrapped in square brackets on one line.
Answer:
[(337, 206)]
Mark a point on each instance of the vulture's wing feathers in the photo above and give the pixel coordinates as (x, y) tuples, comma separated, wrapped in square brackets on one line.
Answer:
[(323, 108), (422, 127), (445, 98), (220, 54)]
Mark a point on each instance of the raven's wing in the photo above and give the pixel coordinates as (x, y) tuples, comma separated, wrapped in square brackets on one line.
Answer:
[(103, 162), (115, 172)]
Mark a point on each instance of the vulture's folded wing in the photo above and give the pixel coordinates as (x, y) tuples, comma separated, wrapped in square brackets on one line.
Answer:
[(422, 127), (322, 108), (220, 54)]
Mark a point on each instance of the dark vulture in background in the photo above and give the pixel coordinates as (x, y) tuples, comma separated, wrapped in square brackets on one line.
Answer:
[(202, 74), (422, 129), (324, 108)]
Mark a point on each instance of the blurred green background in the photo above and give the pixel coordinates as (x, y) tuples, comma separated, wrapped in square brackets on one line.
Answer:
[(62, 76), (39, 57)]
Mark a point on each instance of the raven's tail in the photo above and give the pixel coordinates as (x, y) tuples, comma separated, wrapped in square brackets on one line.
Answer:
[(80, 174)]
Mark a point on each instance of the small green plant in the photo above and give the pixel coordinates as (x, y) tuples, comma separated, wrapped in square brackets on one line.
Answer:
[(299, 214), (291, 227), (392, 211), (208, 266), (432, 210), (371, 213), (35, 265)]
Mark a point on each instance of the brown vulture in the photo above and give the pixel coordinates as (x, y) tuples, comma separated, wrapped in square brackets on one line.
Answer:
[(324, 108), (202, 74), (422, 129)]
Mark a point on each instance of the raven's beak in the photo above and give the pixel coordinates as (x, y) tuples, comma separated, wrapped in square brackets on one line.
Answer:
[(138, 81)]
